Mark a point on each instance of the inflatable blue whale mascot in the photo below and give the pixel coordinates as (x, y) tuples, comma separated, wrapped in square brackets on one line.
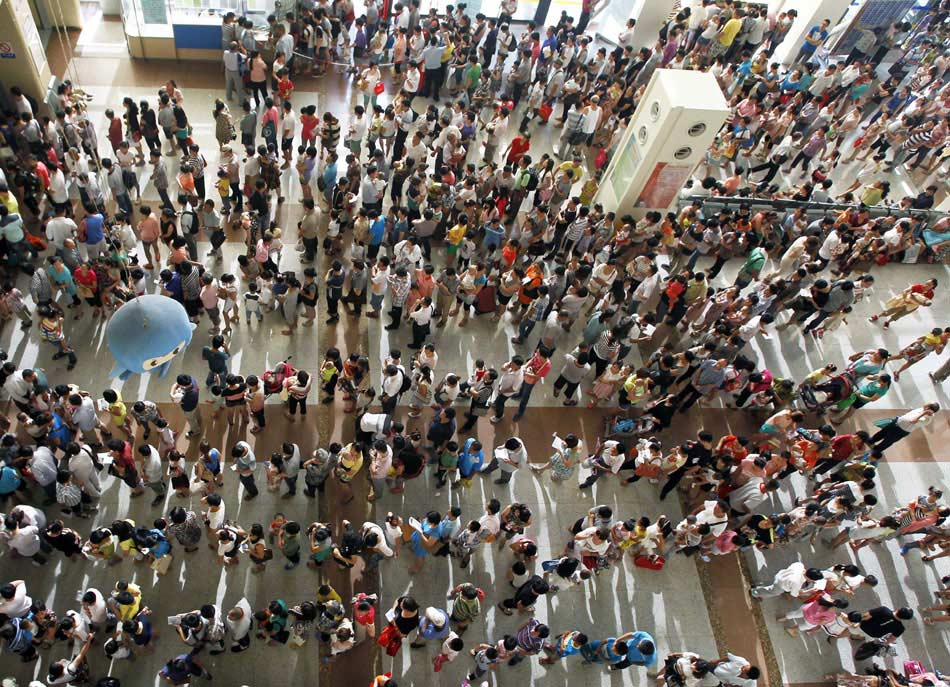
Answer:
[(145, 334)]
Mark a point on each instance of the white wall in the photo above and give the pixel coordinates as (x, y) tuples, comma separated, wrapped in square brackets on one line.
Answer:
[(810, 13)]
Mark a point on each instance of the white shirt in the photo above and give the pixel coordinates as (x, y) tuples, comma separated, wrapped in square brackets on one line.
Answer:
[(728, 671), (59, 229), (383, 545), (914, 419), (152, 465), (423, 315), (490, 523), (510, 381), (590, 546), (717, 524), (19, 605), (288, 126), (57, 186), (830, 246), (591, 120)]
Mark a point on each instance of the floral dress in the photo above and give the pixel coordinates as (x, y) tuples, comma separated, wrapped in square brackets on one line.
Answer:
[(563, 463), (188, 533)]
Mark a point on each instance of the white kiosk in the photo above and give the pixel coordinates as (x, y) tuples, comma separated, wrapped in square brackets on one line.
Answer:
[(673, 126)]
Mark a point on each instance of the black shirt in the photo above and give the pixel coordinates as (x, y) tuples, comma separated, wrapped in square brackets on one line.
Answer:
[(189, 400), (882, 623), (525, 594)]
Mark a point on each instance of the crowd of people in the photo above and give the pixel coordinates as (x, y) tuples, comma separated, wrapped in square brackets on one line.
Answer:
[(433, 212)]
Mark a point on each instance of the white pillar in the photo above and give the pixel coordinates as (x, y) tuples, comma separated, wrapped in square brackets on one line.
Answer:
[(677, 119), (650, 16), (810, 13)]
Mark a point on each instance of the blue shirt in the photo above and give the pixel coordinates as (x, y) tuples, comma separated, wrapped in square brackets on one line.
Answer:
[(162, 547), (94, 229), (633, 653), (814, 32), (9, 480), (493, 234), (212, 461), (470, 462), (59, 431), (609, 650), (433, 632), (429, 530), (376, 231), (329, 175)]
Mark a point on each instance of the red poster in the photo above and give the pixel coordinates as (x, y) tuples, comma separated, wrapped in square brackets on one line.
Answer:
[(665, 182)]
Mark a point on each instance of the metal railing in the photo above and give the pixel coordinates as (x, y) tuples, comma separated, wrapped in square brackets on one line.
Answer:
[(812, 209)]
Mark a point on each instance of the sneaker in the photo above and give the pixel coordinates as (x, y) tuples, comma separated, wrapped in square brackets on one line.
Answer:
[(494, 418)]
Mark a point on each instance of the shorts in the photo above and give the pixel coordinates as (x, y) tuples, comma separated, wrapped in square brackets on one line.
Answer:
[(766, 428), (287, 144)]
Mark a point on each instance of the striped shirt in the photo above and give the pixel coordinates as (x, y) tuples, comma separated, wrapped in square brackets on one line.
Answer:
[(527, 642)]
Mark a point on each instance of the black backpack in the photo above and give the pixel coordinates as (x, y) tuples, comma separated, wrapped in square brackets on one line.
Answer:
[(406, 383), (189, 222), (532, 184)]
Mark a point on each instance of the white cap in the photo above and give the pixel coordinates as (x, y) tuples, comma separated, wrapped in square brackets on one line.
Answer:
[(435, 616)]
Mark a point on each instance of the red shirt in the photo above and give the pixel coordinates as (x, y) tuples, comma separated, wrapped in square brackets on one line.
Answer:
[(115, 132), (43, 174), (519, 146), (844, 446), (927, 292)]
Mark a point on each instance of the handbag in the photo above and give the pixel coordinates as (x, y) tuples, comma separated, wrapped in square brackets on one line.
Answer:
[(648, 470), (161, 565), (544, 112), (653, 562), (379, 88), (390, 640), (870, 650)]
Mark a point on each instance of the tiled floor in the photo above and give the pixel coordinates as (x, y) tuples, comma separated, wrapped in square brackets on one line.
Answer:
[(701, 607)]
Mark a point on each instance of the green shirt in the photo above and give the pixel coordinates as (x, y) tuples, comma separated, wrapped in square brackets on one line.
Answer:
[(754, 262), (472, 76), (291, 545), (449, 460)]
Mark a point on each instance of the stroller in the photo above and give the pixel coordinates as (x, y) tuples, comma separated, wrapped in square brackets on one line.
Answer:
[(620, 428), (273, 380), (820, 397)]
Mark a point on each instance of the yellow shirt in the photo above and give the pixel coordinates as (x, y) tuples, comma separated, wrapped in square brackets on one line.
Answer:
[(447, 53), (11, 202), (576, 170), (224, 187), (730, 31), (455, 234), (118, 410)]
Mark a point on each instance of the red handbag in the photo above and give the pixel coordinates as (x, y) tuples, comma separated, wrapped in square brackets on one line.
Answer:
[(390, 639), (649, 562), (379, 88), (544, 112)]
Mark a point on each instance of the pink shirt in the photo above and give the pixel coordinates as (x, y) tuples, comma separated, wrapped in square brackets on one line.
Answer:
[(816, 614), (209, 296)]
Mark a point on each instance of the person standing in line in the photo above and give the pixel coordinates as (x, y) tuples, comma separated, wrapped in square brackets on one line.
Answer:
[(509, 385), (233, 64), (246, 464), (508, 458), (535, 370), (185, 392)]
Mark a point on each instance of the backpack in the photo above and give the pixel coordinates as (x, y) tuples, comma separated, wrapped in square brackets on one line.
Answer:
[(189, 222), (406, 383), (532, 184)]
